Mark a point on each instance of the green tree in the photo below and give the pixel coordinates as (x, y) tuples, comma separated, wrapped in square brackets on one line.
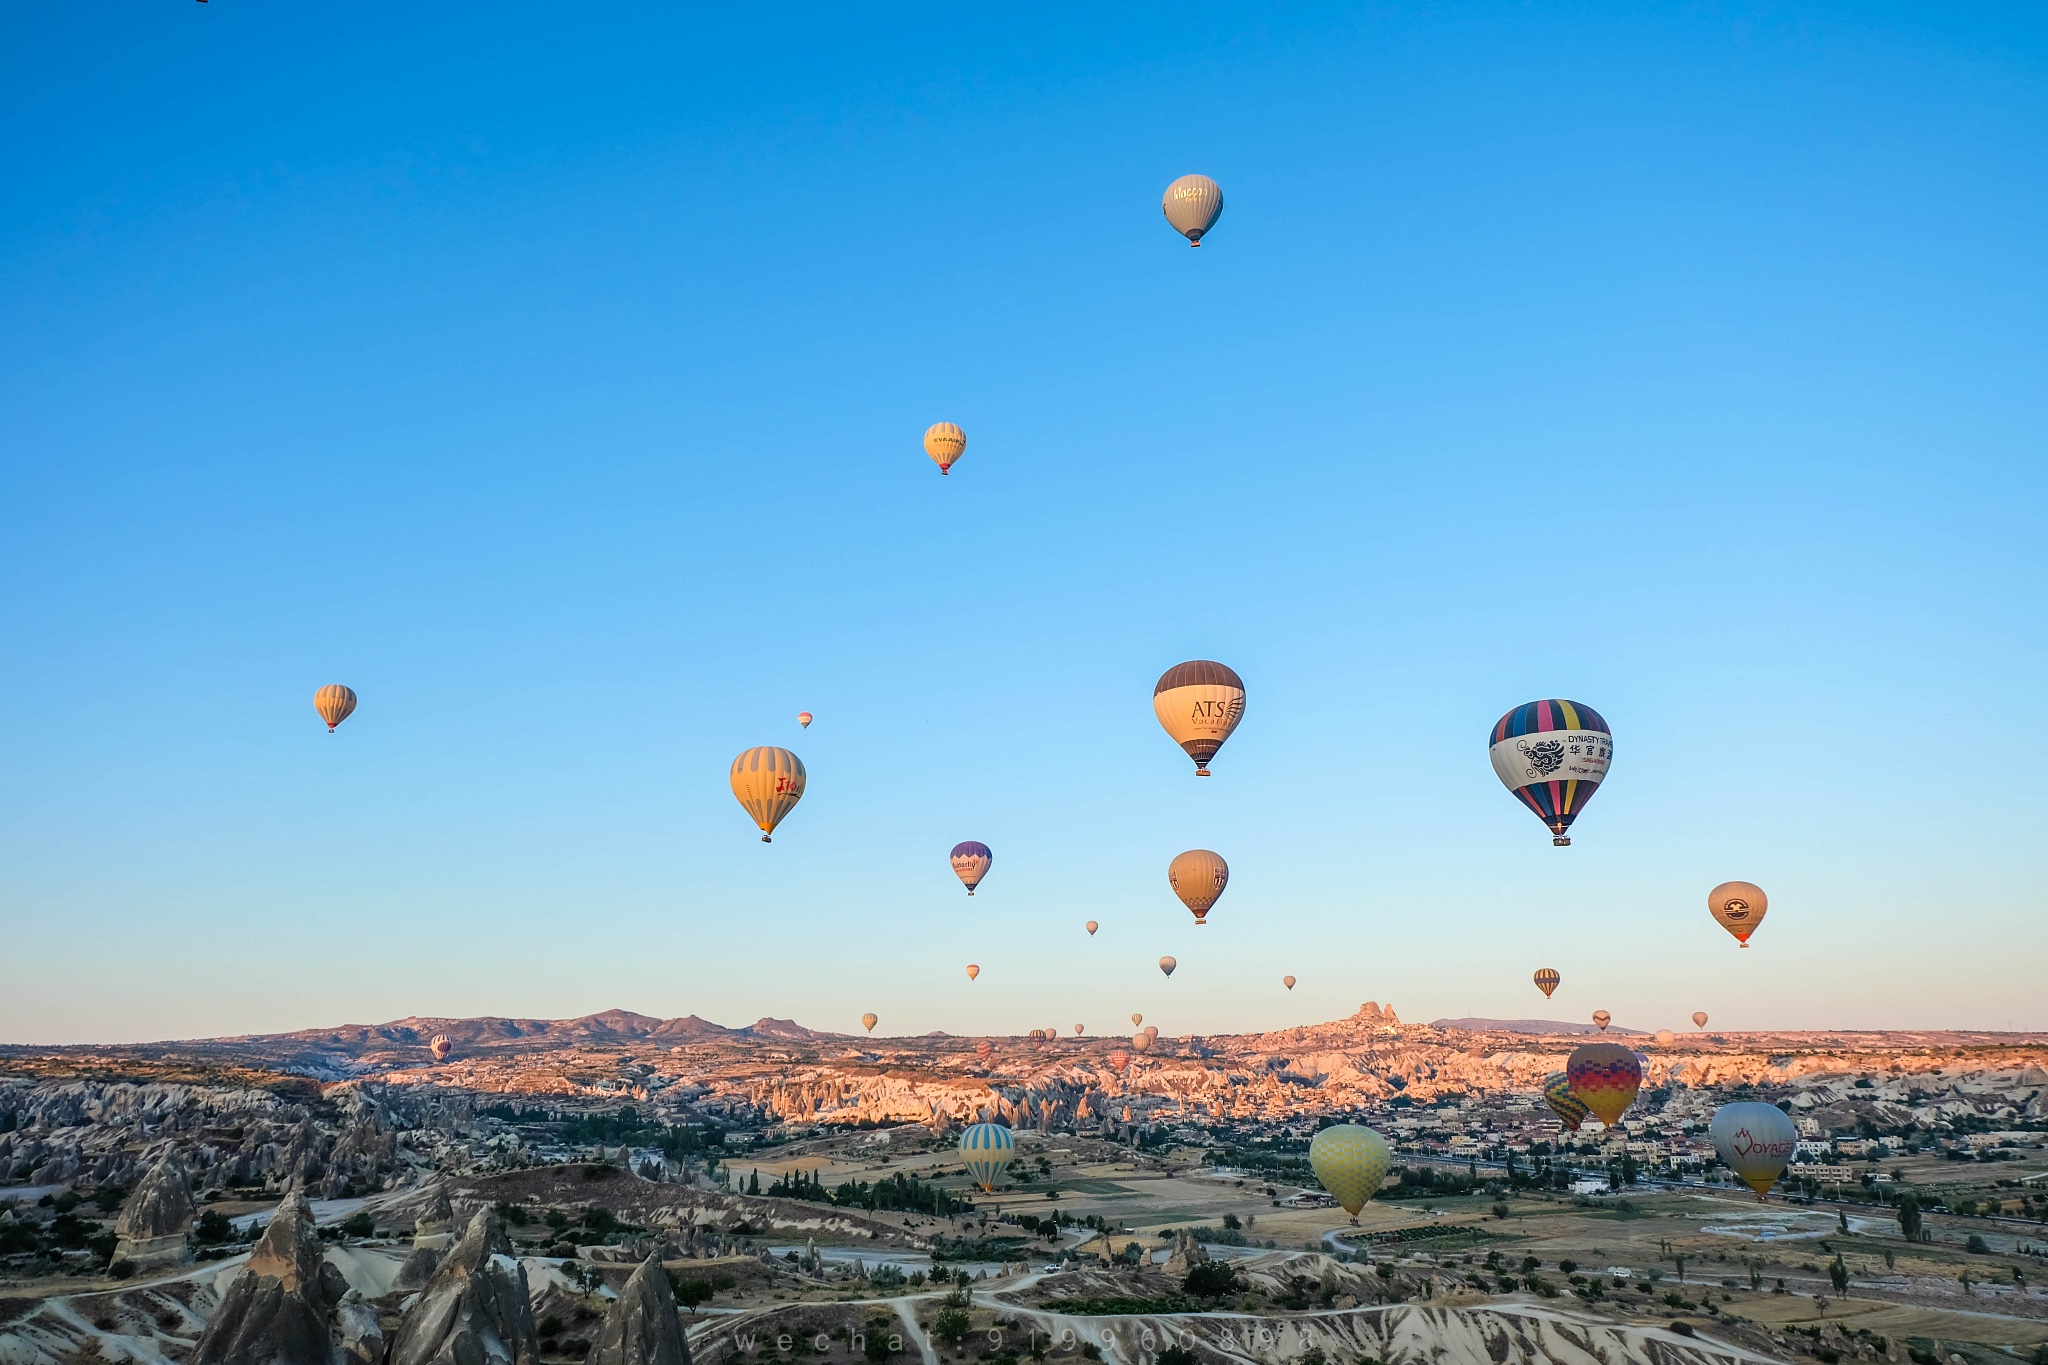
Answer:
[(1909, 1216), (1838, 1274), (691, 1294), (1209, 1279), (952, 1326)]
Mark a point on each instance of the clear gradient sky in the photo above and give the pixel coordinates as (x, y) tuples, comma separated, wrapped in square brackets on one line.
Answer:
[(554, 376)]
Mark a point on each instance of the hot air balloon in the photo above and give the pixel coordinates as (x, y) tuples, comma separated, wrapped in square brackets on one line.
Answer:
[(973, 970), (971, 861), (1198, 878), (1546, 981), (1091, 927), (803, 718), (1351, 1162), (1288, 982), (1142, 1041), (1080, 1028), (1137, 1019), (335, 704), (1601, 1018), (1192, 205), (868, 1022), (441, 1046), (1199, 702), (768, 782), (1756, 1140), (1606, 1077), (1553, 755), (1699, 1018), (1119, 1059), (1167, 964), (988, 1149), (983, 1048), (1665, 1037), (1739, 906), (1569, 1108), (1152, 1032), (945, 443)]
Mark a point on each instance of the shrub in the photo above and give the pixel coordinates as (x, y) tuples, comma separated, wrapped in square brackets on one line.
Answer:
[(1977, 1245), (692, 1293), (1209, 1279), (121, 1269), (952, 1326), (213, 1226), (1176, 1355), (358, 1225), (1682, 1327)]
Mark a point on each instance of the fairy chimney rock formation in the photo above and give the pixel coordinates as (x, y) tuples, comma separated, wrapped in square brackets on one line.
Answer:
[(277, 1310), (476, 1308), (642, 1327), (435, 1227), (1187, 1252), (153, 1223)]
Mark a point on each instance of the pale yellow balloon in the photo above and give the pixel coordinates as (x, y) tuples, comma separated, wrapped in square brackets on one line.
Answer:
[(768, 782), (1352, 1162), (1199, 703), (1137, 1019), (335, 704), (945, 443), (1665, 1037), (868, 1021), (1198, 878)]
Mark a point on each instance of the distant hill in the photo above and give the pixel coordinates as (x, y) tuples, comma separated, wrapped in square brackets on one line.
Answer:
[(1546, 1027)]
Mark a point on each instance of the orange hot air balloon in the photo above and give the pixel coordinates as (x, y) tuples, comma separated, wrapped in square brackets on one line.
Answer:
[(1665, 1037), (1739, 906), (1092, 926), (973, 970), (1119, 1059), (1699, 1018), (868, 1022), (1546, 981), (335, 704), (983, 1048), (1606, 1077), (1288, 982), (803, 718), (768, 782)]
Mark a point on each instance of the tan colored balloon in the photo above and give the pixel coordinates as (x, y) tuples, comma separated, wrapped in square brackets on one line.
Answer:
[(1142, 1042), (973, 970), (1199, 703), (1699, 1018), (1091, 927), (1739, 907), (1601, 1019), (1152, 1032), (1288, 982), (868, 1022), (1167, 964), (335, 704), (1192, 205), (1198, 878), (945, 443), (441, 1046), (1137, 1019), (768, 782), (1665, 1037)]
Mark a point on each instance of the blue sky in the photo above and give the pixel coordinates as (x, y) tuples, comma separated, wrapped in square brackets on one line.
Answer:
[(555, 378)]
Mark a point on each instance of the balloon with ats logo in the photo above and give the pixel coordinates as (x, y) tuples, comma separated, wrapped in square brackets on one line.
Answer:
[(767, 782), (803, 718), (1351, 1161), (1601, 1019), (868, 1022), (1756, 1140), (1699, 1018), (1288, 982), (1192, 205), (1199, 702), (987, 1149), (1091, 926), (1546, 981), (1553, 755), (1569, 1108), (971, 862), (1167, 964), (945, 443), (441, 1046), (1739, 906), (335, 704), (1605, 1076), (973, 970), (1198, 878)]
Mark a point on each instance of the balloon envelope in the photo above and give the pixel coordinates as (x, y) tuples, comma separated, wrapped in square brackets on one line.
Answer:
[(1137, 1019), (803, 718), (1288, 982), (945, 443), (1142, 1041), (1756, 1140), (1546, 981), (1553, 755), (1167, 964), (973, 970), (868, 1022), (983, 1048), (441, 1047), (1080, 1028), (971, 860), (1569, 1108), (335, 704), (1199, 702), (1119, 1059), (1606, 1077), (987, 1149), (768, 782), (1739, 906), (1192, 205), (1351, 1161), (1092, 926), (1601, 1019), (1198, 878), (1665, 1037), (1699, 1018), (1152, 1032)]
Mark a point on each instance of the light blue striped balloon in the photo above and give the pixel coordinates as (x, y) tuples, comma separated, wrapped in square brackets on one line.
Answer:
[(988, 1149)]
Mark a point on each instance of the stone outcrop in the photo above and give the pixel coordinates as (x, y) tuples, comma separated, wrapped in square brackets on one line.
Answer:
[(435, 1227), (279, 1310), (1187, 1252), (475, 1310), (642, 1327), (153, 1223)]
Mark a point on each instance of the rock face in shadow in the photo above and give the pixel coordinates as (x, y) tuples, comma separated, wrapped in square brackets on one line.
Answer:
[(277, 1310), (153, 1222), (475, 1310), (642, 1327)]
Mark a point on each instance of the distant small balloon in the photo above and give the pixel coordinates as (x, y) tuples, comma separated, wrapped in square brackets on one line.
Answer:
[(868, 1022), (1092, 926), (1080, 1028), (1699, 1018), (441, 1046), (1288, 982), (971, 862), (1137, 1019), (335, 704), (1142, 1041), (803, 718), (1601, 1018), (1119, 1059), (1192, 205), (1198, 878), (1665, 1037), (1167, 964), (1739, 907), (945, 443), (973, 970), (1152, 1032), (983, 1048), (1546, 981)]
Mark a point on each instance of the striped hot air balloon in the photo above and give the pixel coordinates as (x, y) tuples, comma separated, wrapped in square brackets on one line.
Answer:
[(971, 862), (441, 1046), (1606, 1077), (1553, 755), (1569, 1108), (335, 704), (945, 443), (768, 783), (1198, 878), (1119, 1059), (983, 1048), (1546, 981), (1351, 1161), (1199, 702), (987, 1149), (803, 718), (1192, 205)]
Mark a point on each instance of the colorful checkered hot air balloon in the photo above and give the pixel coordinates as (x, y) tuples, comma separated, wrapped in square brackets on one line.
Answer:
[(1569, 1108), (1351, 1162), (1553, 755), (1606, 1077), (971, 862), (987, 1149)]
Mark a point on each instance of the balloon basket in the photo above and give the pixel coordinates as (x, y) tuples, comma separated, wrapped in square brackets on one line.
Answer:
[(766, 840), (1562, 841)]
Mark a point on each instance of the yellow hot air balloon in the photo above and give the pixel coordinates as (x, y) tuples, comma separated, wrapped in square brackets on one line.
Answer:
[(1601, 1018), (1546, 981), (1739, 906), (1352, 1162), (1167, 964), (803, 718), (1199, 702), (987, 1150), (1137, 1019), (768, 782), (1569, 1108), (1198, 878), (1288, 982), (1756, 1140), (973, 970), (945, 443), (1091, 927), (335, 704), (1192, 205), (868, 1021), (1699, 1018)]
